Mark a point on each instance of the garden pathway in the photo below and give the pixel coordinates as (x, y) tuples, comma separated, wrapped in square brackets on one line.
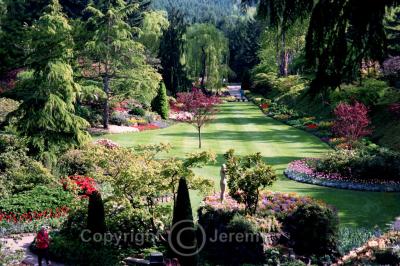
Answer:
[(22, 242)]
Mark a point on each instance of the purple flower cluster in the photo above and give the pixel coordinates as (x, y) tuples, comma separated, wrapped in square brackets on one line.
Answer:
[(275, 203)]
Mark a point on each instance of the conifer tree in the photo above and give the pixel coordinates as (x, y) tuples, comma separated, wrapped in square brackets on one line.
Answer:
[(171, 51), (114, 59), (48, 91), (96, 217), (183, 242), (160, 103)]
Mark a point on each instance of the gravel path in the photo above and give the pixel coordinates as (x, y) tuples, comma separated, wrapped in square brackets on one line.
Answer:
[(22, 242)]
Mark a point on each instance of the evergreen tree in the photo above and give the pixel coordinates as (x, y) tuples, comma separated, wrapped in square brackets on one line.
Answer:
[(171, 51), (182, 239), (96, 218), (114, 59), (160, 103), (48, 91), (392, 27)]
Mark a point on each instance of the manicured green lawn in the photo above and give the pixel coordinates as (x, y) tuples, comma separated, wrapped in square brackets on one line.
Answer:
[(243, 127)]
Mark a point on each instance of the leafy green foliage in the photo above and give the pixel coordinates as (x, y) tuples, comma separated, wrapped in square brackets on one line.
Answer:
[(313, 230), (38, 199), (340, 35), (392, 27), (247, 176), (47, 114), (113, 59), (206, 51), (183, 236), (154, 24), (160, 103), (18, 171)]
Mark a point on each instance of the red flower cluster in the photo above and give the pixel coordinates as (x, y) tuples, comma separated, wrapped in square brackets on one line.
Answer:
[(312, 126), (146, 127), (31, 216), (86, 185), (264, 106)]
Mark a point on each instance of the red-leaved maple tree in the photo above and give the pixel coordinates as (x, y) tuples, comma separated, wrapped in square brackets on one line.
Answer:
[(352, 121), (201, 107)]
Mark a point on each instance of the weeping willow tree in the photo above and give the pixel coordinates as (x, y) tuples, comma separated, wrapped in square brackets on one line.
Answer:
[(206, 54), (114, 59), (341, 35), (48, 91)]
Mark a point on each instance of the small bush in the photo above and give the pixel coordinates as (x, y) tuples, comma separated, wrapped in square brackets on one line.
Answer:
[(371, 93), (313, 230), (119, 119), (160, 104), (38, 199), (75, 162), (137, 111)]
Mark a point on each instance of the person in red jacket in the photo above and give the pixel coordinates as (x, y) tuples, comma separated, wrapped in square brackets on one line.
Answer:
[(42, 245)]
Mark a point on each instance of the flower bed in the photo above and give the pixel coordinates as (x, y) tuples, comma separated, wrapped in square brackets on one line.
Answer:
[(301, 171), (270, 203)]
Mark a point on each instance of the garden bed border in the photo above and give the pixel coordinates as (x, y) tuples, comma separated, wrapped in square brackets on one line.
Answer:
[(350, 185)]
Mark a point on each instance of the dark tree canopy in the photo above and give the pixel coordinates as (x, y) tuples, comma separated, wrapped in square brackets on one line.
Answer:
[(342, 34)]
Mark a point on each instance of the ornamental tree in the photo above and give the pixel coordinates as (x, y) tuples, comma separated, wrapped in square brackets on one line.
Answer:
[(352, 121), (202, 107), (247, 176)]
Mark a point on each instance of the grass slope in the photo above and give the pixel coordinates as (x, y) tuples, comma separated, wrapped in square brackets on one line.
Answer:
[(243, 127)]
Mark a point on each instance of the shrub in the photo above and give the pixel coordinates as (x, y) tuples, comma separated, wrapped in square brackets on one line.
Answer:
[(7, 106), (353, 237), (371, 93), (18, 171), (313, 230), (391, 68), (160, 104), (38, 199), (364, 163), (119, 118), (352, 121), (75, 162), (137, 111), (91, 114), (72, 251), (183, 238), (246, 177), (96, 218)]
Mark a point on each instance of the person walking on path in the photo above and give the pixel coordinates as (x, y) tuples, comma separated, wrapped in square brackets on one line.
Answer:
[(42, 245)]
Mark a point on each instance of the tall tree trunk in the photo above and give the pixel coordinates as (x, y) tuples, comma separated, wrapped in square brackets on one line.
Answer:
[(199, 131), (106, 113), (203, 68), (284, 58)]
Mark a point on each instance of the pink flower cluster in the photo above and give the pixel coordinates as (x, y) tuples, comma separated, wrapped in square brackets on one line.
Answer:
[(229, 203), (303, 167), (109, 144)]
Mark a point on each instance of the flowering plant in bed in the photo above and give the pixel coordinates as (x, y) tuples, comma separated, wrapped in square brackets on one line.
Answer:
[(83, 185)]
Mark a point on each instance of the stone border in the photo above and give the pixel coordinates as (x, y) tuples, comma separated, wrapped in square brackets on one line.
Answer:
[(304, 178)]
